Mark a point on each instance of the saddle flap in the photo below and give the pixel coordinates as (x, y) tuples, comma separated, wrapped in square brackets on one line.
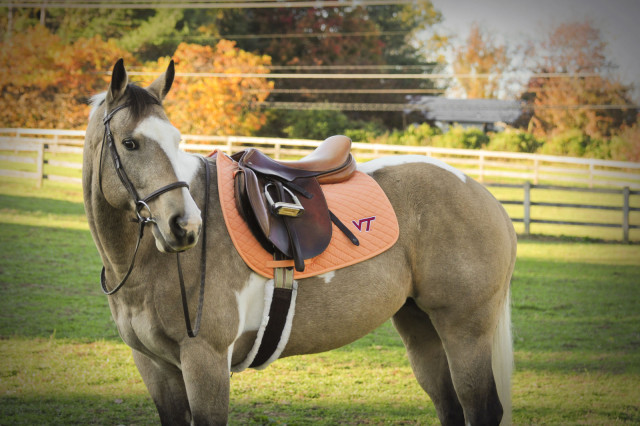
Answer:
[(257, 201), (311, 231)]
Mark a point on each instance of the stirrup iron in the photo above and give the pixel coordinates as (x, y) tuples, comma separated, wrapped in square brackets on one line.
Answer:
[(282, 208)]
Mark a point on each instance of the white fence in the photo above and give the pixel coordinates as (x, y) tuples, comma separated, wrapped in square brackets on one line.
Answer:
[(36, 153), (483, 165)]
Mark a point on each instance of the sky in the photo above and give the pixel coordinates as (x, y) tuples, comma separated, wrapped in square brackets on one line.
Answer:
[(519, 20)]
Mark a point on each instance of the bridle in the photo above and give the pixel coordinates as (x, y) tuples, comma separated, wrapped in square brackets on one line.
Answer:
[(142, 220)]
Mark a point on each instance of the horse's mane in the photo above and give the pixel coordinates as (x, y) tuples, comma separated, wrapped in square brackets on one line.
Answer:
[(138, 98)]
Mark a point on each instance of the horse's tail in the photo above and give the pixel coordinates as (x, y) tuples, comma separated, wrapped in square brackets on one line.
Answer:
[(502, 358)]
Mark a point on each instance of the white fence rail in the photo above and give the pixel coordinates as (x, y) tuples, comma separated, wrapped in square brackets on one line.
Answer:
[(481, 164), (35, 153)]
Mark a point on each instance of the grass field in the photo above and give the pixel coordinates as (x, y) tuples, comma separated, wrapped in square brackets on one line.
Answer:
[(575, 317)]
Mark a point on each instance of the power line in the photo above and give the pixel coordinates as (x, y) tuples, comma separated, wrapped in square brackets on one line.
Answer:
[(254, 4), (376, 76), (362, 106), (326, 67), (346, 91), (296, 35), (349, 67)]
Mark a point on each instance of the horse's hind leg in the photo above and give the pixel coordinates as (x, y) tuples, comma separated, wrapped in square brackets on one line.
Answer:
[(429, 361), (166, 386), (467, 334)]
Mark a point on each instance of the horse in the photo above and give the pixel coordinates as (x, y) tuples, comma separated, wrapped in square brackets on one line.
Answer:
[(445, 283)]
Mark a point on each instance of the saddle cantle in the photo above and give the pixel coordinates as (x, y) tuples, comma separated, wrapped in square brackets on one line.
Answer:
[(283, 203)]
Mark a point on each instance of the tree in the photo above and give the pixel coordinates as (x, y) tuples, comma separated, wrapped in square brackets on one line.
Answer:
[(45, 82), (216, 106), (480, 55), (582, 98), (339, 36)]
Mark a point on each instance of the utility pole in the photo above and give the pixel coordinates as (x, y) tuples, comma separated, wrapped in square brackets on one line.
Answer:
[(42, 13), (9, 22)]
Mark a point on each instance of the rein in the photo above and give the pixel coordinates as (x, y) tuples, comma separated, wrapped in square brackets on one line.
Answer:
[(142, 220)]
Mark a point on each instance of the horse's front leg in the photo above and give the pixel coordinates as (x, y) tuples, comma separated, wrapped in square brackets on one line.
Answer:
[(206, 376), (165, 384)]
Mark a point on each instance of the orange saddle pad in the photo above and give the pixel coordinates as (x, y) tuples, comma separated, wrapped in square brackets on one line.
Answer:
[(359, 203)]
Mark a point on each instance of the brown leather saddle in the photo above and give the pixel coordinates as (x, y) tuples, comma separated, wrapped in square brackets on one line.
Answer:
[(283, 203)]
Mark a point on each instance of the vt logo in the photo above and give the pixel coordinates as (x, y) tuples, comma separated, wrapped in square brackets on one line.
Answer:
[(358, 223)]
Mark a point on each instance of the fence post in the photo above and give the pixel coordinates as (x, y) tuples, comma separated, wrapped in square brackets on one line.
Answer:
[(40, 165), (481, 168), (527, 208), (591, 168), (625, 214), (277, 151), (229, 145)]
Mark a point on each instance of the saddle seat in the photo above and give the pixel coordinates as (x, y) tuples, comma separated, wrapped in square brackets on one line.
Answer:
[(330, 162), (298, 223)]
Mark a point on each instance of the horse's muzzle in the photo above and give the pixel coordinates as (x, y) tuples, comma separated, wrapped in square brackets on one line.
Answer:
[(185, 230)]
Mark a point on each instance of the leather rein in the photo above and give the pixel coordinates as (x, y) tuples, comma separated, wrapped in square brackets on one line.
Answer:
[(144, 219)]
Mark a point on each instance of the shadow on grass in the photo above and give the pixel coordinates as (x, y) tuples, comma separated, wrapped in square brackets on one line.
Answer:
[(317, 412), (140, 410), (78, 409)]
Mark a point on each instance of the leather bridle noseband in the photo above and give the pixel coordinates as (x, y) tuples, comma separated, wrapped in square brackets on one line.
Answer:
[(142, 220)]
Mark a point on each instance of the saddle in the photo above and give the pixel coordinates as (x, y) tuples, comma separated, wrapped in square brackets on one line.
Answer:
[(282, 201)]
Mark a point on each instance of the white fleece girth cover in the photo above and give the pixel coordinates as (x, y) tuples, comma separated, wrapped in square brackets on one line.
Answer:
[(286, 332)]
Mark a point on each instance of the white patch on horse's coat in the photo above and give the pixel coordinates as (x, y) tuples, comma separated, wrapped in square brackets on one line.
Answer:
[(371, 166), (267, 295), (168, 137), (251, 304), (327, 276)]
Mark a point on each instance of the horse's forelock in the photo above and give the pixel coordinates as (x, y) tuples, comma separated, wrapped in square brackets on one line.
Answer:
[(139, 99)]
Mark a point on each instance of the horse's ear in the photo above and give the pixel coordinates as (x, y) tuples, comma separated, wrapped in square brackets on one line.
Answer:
[(160, 87), (119, 81)]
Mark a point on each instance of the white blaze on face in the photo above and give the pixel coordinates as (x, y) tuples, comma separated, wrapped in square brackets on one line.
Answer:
[(168, 137), (371, 166), (184, 165)]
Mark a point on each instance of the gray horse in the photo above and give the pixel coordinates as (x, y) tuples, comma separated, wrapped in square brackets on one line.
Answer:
[(444, 284)]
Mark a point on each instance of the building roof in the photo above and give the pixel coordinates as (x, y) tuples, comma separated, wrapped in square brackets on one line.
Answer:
[(469, 110)]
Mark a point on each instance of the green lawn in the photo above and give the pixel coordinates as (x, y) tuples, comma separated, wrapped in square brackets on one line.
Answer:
[(575, 316)]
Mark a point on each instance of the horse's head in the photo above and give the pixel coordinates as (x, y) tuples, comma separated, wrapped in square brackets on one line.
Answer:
[(138, 163)]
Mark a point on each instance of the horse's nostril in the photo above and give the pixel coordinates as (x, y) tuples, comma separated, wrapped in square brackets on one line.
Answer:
[(178, 225)]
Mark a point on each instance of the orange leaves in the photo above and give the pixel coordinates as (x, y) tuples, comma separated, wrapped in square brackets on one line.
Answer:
[(216, 105), (44, 82)]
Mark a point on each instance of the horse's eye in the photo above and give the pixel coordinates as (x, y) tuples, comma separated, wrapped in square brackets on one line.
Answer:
[(130, 144)]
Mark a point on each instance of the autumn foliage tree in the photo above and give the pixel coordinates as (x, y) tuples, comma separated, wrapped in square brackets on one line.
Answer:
[(480, 60), (588, 96), (216, 105), (45, 82)]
